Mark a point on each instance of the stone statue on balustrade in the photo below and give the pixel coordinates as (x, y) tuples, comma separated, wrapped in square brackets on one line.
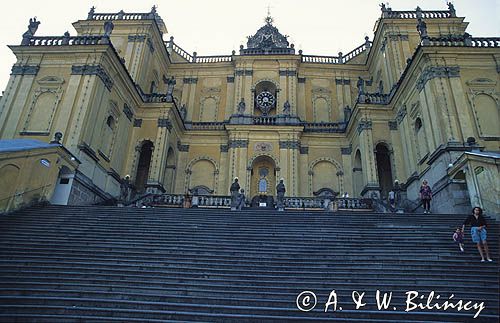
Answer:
[(32, 28), (280, 192), (183, 112), (241, 106), (240, 201), (286, 108), (170, 89), (235, 187), (422, 28), (360, 85), (124, 189), (452, 10)]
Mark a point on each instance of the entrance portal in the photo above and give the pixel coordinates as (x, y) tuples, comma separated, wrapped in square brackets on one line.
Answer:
[(383, 157), (141, 177), (263, 181)]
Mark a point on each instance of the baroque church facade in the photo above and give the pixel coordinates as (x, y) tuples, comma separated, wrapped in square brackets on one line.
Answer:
[(418, 101)]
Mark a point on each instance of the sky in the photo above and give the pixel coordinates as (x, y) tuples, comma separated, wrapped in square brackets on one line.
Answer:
[(210, 27)]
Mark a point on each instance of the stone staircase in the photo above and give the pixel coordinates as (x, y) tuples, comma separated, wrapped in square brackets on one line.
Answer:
[(87, 264)]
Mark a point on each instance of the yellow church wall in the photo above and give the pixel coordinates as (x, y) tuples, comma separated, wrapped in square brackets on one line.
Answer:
[(430, 111), (26, 180)]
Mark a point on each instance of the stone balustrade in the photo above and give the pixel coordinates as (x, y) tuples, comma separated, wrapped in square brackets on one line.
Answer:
[(66, 40), (222, 201), (194, 58), (328, 127), (412, 14), (214, 125), (321, 59), (340, 59), (373, 98), (213, 59), (265, 120), (462, 41), (271, 51), (357, 51), (120, 16)]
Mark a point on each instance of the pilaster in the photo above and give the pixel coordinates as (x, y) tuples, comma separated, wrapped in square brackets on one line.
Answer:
[(18, 89)]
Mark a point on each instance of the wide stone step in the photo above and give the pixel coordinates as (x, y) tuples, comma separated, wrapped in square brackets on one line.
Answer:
[(183, 267), (181, 311), (270, 300), (244, 278)]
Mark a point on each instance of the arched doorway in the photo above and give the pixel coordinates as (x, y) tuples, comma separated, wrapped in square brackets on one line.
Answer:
[(384, 170), (263, 181), (63, 187), (141, 177), (357, 173)]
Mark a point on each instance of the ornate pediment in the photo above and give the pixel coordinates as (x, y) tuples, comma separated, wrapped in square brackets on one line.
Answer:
[(267, 40)]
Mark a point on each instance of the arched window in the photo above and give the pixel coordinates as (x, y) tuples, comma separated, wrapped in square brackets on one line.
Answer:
[(321, 110)]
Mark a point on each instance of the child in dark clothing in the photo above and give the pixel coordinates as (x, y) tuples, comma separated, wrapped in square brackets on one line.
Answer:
[(458, 237)]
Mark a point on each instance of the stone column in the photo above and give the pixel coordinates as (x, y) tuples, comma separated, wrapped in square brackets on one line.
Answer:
[(372, 186), (340, 95), (238, 90), (347, 166), (282, 96), (185, 98), (192, 95), (159, 157), (225, 173), (303, 168), (408, 145), (238, 148), (462, 109), (301, 98), (292, 92), (397, 166), (182, 175), (229, 98), (76, 124), (431, 121), (248, 91)]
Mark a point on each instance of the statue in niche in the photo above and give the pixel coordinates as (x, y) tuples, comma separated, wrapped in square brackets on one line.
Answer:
[(262, 186), (286, 108), (241, 106)]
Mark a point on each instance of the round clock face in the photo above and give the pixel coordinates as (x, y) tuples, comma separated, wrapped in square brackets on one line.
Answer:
[(266, 100)]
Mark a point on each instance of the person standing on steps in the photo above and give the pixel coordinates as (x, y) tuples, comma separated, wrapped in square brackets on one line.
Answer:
[(478, 231), (426, 196)]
